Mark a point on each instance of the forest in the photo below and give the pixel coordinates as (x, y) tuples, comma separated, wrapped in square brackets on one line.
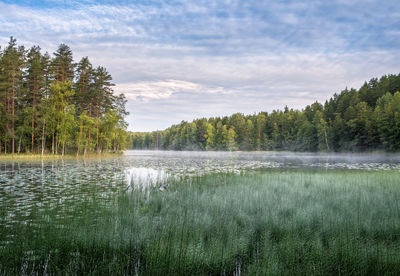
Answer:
[(366, 119), (50, 104)]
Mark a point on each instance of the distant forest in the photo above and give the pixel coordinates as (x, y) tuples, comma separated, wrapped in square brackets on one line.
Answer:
[(49, 104), (354, 120)]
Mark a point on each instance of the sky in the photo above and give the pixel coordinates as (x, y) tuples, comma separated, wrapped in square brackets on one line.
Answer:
[(186, 59)]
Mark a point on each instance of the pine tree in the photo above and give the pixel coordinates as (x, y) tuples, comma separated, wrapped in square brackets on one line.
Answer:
[(13, 59), (35, 81), (37, 102), (63, 66), (101, 97), (82, 98)]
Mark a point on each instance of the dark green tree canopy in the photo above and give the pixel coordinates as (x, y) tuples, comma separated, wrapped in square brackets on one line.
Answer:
[(51, 104), (353, 120)]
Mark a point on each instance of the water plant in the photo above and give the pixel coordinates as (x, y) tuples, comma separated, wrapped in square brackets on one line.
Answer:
[(256, 223)]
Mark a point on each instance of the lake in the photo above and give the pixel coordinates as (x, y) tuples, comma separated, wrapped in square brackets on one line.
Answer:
[(59, 192), (27, 186), (32, 185)]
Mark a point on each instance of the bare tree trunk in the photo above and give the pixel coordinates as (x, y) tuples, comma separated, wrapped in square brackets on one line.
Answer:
[(97, 134), (13, 119), (43, 139), (63, 149), (57, 145), (33, 118), (326, 140), (33, 125), (8, 121), (90, 116), (19, 144), (80, 136), (52, 144)]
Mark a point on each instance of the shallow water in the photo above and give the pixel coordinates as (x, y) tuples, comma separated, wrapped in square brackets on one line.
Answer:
[(206, 162), (29, 187)]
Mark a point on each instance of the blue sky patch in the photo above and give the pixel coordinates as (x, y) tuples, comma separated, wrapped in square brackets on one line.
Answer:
[(179, 60)]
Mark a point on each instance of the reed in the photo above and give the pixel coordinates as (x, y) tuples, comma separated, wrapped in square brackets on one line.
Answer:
[(28, 156), (258, 223)]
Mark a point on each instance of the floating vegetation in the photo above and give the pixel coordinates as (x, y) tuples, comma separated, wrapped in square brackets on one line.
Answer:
[(275, 222), (218, 214), (201, 163)]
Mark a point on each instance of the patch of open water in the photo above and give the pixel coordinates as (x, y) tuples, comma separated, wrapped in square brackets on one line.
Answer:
[(29, 187)]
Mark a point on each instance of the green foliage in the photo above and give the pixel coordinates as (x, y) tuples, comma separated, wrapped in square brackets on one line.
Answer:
[(231, 139), (354, 120), (48, 106), (209, 135)]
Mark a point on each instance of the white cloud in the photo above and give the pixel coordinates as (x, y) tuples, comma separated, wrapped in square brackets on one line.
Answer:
[(147, 90), (213, 58)]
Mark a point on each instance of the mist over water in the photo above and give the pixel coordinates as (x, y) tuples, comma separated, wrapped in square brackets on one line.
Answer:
[(200, 162), (27, 187), (162, 165)]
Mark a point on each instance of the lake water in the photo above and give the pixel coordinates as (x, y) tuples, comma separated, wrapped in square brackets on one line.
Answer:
[(28, 187)]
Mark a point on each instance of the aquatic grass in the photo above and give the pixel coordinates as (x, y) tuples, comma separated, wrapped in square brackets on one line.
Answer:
[(37, 156), (273, 222)]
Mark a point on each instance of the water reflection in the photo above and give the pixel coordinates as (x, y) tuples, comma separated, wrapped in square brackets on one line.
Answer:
[(183, 163), (29, 187), (144, 178)]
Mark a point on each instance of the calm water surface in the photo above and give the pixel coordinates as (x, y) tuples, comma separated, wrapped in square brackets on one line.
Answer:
[(28, 187)]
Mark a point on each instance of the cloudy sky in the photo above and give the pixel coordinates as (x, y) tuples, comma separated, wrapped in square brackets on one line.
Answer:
[(184, 59)]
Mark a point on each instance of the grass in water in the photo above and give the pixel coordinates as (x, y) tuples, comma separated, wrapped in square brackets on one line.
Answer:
[(29, 156), (258, 223)]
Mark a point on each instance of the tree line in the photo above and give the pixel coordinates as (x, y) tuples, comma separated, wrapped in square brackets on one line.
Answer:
[(354, 120), (50, 104)]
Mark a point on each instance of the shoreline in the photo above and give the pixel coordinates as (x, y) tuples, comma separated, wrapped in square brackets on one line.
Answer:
[(24, 156)]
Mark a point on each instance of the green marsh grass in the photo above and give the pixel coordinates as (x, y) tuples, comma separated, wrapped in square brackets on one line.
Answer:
[(34, 156), (257, 223)]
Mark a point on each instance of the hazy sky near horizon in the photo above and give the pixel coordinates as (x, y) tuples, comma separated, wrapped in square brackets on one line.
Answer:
[(185, 59)]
